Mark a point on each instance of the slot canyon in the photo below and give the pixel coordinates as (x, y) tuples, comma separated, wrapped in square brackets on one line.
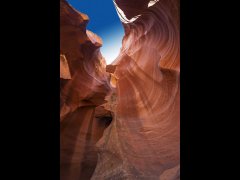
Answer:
[(121, 121)]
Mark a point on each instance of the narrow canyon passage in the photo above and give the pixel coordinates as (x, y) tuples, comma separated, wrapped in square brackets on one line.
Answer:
[(121, 121)]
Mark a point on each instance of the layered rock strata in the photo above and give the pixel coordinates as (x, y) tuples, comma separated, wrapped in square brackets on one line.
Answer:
[(83, 87), (143, 140), (121, 122)]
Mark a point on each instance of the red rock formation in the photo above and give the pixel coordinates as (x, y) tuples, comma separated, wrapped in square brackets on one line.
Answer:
[(133, 7), (64, 68), (84, 85), (141, 92), (143, 140)]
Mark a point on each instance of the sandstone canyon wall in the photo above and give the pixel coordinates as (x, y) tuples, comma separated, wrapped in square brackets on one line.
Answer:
[(83, 87), (143, 140), (139, 92)]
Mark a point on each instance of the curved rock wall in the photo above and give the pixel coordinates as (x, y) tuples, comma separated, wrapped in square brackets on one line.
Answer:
[(140, 92), (83, 87), (143, 140)]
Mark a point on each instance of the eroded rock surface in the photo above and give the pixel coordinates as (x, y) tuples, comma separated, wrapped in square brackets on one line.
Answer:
[(121, 122), (84, 85), (143, 140)]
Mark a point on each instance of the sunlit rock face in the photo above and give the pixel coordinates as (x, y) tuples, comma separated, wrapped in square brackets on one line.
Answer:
[(143, 140), (83, 87), (122, 121)]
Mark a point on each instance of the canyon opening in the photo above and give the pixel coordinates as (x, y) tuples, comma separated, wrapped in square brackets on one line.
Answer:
[(103, 21), (119, 89)]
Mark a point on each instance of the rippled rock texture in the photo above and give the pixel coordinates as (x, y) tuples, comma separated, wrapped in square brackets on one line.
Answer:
[(143, 140), (83, 87), (122, 121)]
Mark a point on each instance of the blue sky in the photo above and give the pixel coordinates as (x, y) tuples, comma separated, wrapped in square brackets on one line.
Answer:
[(105, 22)]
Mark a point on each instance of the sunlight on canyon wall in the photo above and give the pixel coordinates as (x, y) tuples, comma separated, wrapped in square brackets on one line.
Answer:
[(143, 140), (121, 121)]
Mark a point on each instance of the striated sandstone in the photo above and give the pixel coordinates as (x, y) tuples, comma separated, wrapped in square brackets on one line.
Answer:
[(83, 87), (121, 121), (143, 140)]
